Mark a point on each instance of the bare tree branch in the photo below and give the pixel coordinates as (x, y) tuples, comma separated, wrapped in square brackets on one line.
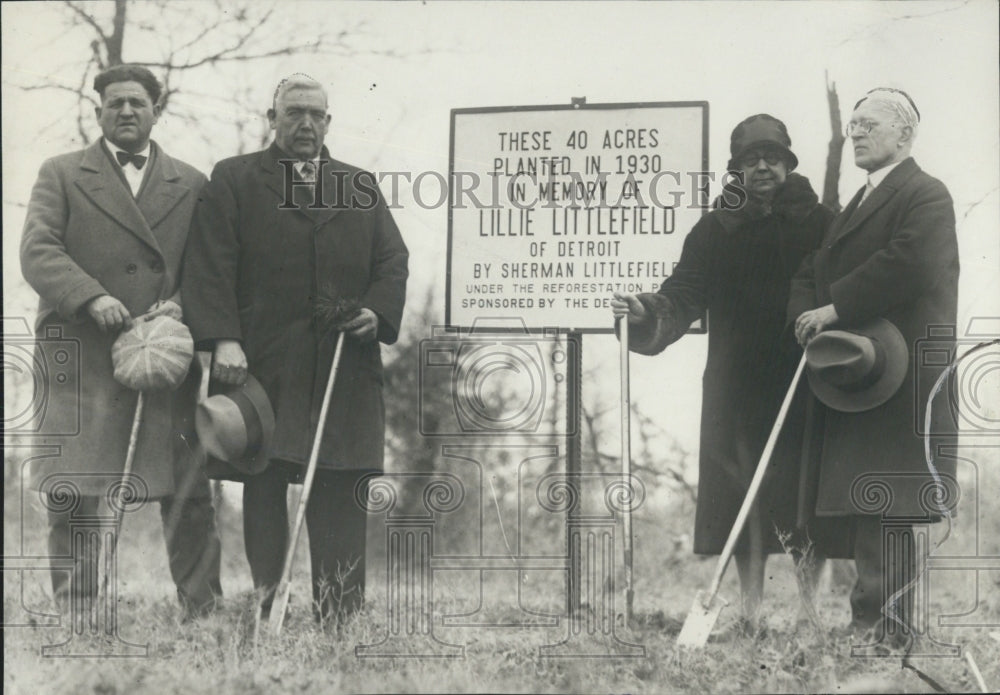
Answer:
[(221, 57), (89, 19), (57, 87), (592, 437)]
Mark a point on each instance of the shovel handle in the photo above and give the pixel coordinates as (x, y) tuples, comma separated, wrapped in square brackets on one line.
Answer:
[(133, 440), (755, 483), (277, 617)]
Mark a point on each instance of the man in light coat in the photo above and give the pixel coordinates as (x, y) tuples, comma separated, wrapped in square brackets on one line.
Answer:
[(891, 254), (102, 243), (275, 231)]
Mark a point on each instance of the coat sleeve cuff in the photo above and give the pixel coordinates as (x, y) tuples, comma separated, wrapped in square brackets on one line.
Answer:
[(386, 332), (389, 312), (849, 310), (73, 301), (658, 329)]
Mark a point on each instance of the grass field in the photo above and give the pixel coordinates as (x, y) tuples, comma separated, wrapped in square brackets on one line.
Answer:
[(499, 648)]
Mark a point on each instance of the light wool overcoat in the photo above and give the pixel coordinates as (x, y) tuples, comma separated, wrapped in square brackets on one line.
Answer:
[(86, 235)]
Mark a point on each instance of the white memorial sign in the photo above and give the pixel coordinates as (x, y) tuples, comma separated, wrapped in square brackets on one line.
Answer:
[(552, 209)]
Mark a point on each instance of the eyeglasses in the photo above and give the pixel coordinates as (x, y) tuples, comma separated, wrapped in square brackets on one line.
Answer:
[(862, 127), (753, 158)]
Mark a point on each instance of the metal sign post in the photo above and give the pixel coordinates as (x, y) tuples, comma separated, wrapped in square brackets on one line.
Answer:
[(574, 391), (626, 500)]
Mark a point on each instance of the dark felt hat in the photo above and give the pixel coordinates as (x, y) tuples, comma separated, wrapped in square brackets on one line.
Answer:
[(762, 130), (236, 426), (858, 369)]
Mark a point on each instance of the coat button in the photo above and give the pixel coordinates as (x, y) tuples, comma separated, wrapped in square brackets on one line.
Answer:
[(131, 268), (156, 267)]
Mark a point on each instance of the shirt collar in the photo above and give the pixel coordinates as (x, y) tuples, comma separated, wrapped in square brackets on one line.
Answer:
[(878, 176)]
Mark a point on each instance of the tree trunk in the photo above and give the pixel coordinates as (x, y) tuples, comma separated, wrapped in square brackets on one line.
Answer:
[(117, 38), (831, 182)]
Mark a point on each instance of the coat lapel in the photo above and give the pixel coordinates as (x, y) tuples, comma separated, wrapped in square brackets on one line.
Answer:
[(856, 213), (103, 186), (333, 190), (162, 191)]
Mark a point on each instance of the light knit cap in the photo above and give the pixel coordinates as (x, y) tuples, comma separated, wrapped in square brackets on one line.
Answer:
[(155, 354)]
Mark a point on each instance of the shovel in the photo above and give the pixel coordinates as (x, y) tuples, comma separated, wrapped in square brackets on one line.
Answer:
[(708, 604), (277, 617)]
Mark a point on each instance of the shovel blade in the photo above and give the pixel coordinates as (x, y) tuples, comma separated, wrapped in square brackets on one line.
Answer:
[(700, 620)]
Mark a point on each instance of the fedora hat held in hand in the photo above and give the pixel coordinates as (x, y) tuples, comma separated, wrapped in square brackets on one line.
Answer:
[(236, 424), (857, 369)]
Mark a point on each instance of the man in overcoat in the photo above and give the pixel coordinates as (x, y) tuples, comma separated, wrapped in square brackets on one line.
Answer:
[(274, 231), (736, 263), (891, 254), (103, 242)]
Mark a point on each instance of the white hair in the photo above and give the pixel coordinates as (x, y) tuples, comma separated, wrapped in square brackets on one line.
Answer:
[(298, 80), (895, 102)]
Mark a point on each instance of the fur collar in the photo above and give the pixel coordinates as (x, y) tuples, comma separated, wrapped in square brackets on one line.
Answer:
[(794, 201)]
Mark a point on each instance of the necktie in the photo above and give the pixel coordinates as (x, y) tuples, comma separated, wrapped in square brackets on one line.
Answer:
[(308, 172), (138, 161), (868, 190)]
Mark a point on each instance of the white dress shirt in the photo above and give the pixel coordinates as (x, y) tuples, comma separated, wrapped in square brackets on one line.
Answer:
[(877, 177)]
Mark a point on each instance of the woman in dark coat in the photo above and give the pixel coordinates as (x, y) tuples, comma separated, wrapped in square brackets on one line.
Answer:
[(737, 263)]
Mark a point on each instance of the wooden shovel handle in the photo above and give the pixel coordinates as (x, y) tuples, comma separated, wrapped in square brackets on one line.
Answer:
[(755, 483), (278, 608)]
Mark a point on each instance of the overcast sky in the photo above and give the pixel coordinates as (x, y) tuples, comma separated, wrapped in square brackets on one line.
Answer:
[(392, 113)]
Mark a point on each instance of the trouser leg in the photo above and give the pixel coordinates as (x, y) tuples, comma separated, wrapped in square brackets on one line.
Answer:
[(337, 524), (750, 567), (194, 550), (68, 539), (265, 529), (885, 564)]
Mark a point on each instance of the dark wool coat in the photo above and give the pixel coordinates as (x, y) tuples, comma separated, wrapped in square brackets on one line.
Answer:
[(86, 235), (894, 257), (253, 271), (737, 264)]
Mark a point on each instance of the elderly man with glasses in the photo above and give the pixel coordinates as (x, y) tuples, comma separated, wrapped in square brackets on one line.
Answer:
[(892, 254)]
